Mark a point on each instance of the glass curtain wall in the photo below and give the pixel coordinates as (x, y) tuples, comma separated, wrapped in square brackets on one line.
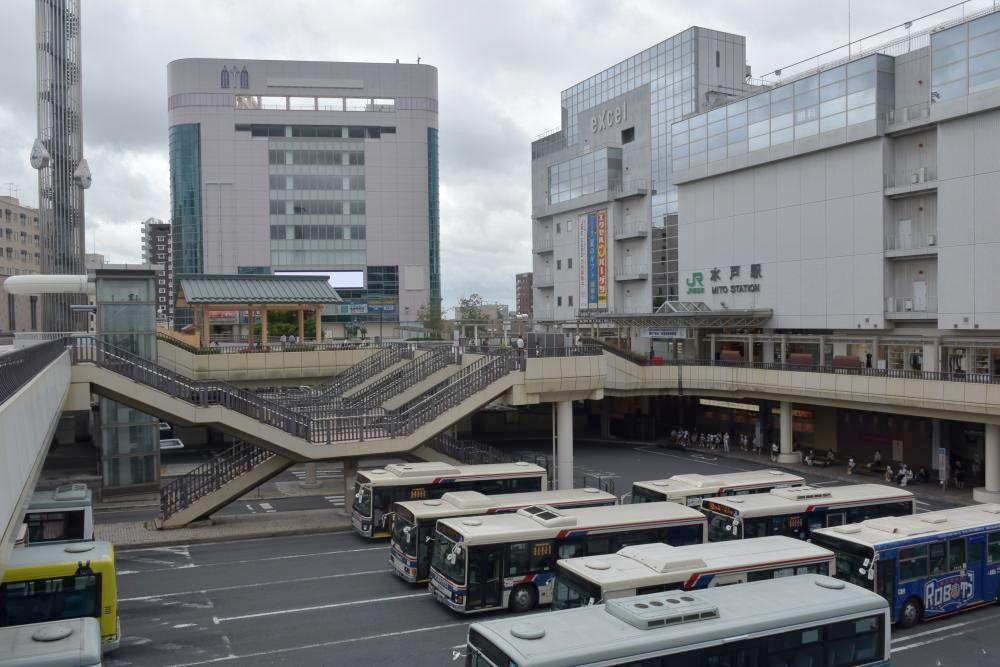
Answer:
[(185, 206), (126, 317)]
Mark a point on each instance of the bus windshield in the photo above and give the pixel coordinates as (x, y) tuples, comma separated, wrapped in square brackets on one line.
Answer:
[(50, 599), (641, 495), (449, 558), (363, 499), (851, 565), (404, 533), (572, 591), (722, 528)]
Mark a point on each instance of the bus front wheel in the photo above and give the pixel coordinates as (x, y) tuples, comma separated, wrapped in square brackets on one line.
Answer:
[(911, 614), (523, 598)]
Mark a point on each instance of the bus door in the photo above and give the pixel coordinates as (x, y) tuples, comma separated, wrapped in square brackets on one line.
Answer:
[(885, 580), (485, 582), (425, 542)]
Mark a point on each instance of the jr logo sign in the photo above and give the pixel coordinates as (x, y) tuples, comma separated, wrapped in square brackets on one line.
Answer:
[(950, 592), (696, 283)]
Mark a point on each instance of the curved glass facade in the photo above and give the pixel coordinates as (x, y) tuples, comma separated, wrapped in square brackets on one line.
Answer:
[(185, 197)]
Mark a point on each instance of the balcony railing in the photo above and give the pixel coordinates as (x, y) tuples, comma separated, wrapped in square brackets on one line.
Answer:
[(630, 188), (542, 244), (632, 271), (631, 231), (543, 279)]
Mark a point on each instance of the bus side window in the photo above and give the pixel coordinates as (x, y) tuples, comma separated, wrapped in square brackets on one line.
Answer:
[(598, 546), (570, 549), (956, 553), (913, 562), (993, 546), (938, 552)]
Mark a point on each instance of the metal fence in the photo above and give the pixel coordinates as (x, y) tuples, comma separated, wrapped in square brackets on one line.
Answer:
[(472, 452), (238, 460), (19, 367)]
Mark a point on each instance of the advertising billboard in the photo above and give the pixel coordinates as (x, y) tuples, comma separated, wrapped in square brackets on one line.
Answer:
[(594, 260)]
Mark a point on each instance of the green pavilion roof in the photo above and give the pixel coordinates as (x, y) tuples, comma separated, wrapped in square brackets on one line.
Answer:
[(255, 289)]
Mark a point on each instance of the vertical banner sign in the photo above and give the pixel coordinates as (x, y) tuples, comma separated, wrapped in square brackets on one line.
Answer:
[(582, 261), (592, 260), (602, 258)]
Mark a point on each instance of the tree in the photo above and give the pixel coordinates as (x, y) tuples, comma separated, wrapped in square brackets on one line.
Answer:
[(471, 308), (430, 316)]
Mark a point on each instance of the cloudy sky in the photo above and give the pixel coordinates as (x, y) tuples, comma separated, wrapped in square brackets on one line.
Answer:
[(501, 67)]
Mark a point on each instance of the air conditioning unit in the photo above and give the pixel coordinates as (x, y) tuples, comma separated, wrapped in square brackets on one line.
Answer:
[(908, 305), (932, 239), (890, 304), (922, 175), (914, 177)]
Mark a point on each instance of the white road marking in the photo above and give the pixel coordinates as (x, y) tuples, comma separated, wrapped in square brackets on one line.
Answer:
[(897, 649), (267, 507), (335, 605), (689, 458), (943, 628), (269, 558), (250, 507), (144, 598), (337, 642), (184, 625), (229, 542)]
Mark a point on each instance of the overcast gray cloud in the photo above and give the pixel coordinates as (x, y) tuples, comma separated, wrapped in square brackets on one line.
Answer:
[(501, 67)]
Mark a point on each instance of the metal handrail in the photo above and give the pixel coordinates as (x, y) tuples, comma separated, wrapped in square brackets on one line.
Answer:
[(358, 373), (20, 366), (210, 476), (393, 384)]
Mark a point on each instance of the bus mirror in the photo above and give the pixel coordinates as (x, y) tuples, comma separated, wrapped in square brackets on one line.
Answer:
[(867, 562)]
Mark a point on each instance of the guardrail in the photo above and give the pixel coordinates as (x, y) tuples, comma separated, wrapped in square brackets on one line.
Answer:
[(19, 367), (210, 476), (902, 374), (241, 346), (471, 452)]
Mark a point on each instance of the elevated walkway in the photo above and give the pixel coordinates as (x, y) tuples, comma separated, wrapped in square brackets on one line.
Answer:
[(278, 434), (34, 387)]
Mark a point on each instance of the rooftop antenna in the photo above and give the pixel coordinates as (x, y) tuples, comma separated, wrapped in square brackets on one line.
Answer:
[(12, 189), (397, 61), (418, 60), (848, 29)]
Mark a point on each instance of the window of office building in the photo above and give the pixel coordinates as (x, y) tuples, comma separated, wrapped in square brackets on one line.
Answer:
[(830, 100), (585, 174), (965, 59)]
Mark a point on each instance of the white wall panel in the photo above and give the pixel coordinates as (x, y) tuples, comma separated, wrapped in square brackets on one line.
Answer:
[(789, 230)]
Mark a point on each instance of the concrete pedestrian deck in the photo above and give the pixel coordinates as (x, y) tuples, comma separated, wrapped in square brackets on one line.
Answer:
[(137, 534)]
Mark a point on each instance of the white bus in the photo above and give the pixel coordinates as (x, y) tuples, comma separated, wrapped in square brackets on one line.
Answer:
[(413, 524), (63, 514), (508, 560), (376, 490), (654, 568), (72, 642), (692, 489), (927, 565), (797, 511), (807, 620)]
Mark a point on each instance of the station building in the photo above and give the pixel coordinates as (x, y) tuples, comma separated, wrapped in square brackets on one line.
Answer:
[(309, 167)]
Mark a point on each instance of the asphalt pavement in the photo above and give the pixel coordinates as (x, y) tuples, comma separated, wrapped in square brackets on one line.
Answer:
[(332, 600)]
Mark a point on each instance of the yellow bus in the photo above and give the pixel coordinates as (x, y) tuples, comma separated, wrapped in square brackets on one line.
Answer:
[(60, 581)]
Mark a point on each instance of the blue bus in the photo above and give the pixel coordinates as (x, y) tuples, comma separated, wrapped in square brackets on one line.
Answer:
[(926, 565)]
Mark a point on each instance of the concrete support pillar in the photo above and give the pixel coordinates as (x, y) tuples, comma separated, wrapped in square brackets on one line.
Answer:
[(750, 348), (319, 324), (767, 352), (606, 418), (564, 445), (350, 468), (263, 326), (203, 327), (787, 455), (931, 357), (839, 350), (784, 349), (936, 445), (822, 351), (875, 353), (991, 467), (249, 327), (310, 481), (302, 324), (711, 349)]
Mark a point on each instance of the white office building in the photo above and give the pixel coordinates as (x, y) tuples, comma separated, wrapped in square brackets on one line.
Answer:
[(331, 167), (603, 200), (857, 198)]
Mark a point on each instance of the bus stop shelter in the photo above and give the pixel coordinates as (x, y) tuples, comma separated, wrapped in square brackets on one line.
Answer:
[(254, 294)]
